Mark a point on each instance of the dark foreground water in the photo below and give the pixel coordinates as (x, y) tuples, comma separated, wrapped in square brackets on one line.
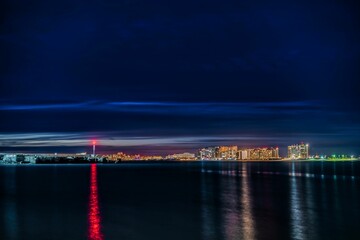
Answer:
[(200, 200)]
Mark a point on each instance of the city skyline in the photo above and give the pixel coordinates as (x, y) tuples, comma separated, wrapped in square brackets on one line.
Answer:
[(181, 119), (221, 152), (177, 78)]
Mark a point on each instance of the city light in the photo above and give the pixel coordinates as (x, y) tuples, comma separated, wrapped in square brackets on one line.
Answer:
[(217, 153)]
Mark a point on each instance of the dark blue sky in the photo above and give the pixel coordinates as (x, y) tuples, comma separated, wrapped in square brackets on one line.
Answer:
[(172, 76)]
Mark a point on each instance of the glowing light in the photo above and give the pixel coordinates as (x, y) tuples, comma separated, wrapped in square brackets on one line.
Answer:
[(246, 201), (94, 218), (296, 214)]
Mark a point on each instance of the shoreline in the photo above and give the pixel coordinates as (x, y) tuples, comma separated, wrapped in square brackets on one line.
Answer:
[(185, 161)]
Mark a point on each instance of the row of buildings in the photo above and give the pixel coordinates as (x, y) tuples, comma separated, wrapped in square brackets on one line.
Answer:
[(21, 158), (235, 153), (181, 156), (120, 156), (296, 151)]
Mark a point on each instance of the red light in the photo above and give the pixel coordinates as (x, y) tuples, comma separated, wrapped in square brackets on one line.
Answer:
[(93, 142), (94, 216)]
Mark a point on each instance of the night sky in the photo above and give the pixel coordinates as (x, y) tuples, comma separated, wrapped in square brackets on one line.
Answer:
[(158, 77)]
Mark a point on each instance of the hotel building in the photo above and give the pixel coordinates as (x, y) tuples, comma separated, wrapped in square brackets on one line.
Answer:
[(298, 151)]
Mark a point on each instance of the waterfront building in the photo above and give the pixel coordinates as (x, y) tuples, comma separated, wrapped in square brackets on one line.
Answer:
[(207, 153), (242, 154), (263, 153), (182, 156), (233, 153), (120, 156), (226, 152), (298, 151), (275, 153), (151, 157)]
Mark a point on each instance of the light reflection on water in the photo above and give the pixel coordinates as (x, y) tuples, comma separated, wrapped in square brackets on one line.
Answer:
[(306, 194), (246, 201), (95, 232), (202, 200), (234, 192), (208, 224), (296, 206), (10, 205), (310, 209), (231, 206)]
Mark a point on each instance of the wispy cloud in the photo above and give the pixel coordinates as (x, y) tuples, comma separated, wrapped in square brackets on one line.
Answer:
[(173, 108), (109, 142), (110, 139), (19, 107)]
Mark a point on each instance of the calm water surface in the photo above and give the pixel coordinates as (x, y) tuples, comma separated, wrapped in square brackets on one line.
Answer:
[(198, 200)]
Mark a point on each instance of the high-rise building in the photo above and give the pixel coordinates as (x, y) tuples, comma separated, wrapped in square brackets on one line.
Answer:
[(233, 153), (226, 152), (207, 153), (218, 153), (242, 154), (298, 151), (258, 154), (264, 153), (275, 152)]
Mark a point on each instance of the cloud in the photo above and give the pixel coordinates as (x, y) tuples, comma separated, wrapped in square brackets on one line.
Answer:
[(109, 139), (64, 106), (180, 108), (175, 118), (110, 142)]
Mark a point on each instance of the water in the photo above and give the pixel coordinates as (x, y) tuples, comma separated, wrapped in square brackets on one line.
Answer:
[(199, 200)]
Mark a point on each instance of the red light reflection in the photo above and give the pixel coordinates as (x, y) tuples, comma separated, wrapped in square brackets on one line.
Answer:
[(94, 217)]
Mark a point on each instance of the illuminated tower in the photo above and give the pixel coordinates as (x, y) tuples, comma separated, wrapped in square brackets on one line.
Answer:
[(94, 143)]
